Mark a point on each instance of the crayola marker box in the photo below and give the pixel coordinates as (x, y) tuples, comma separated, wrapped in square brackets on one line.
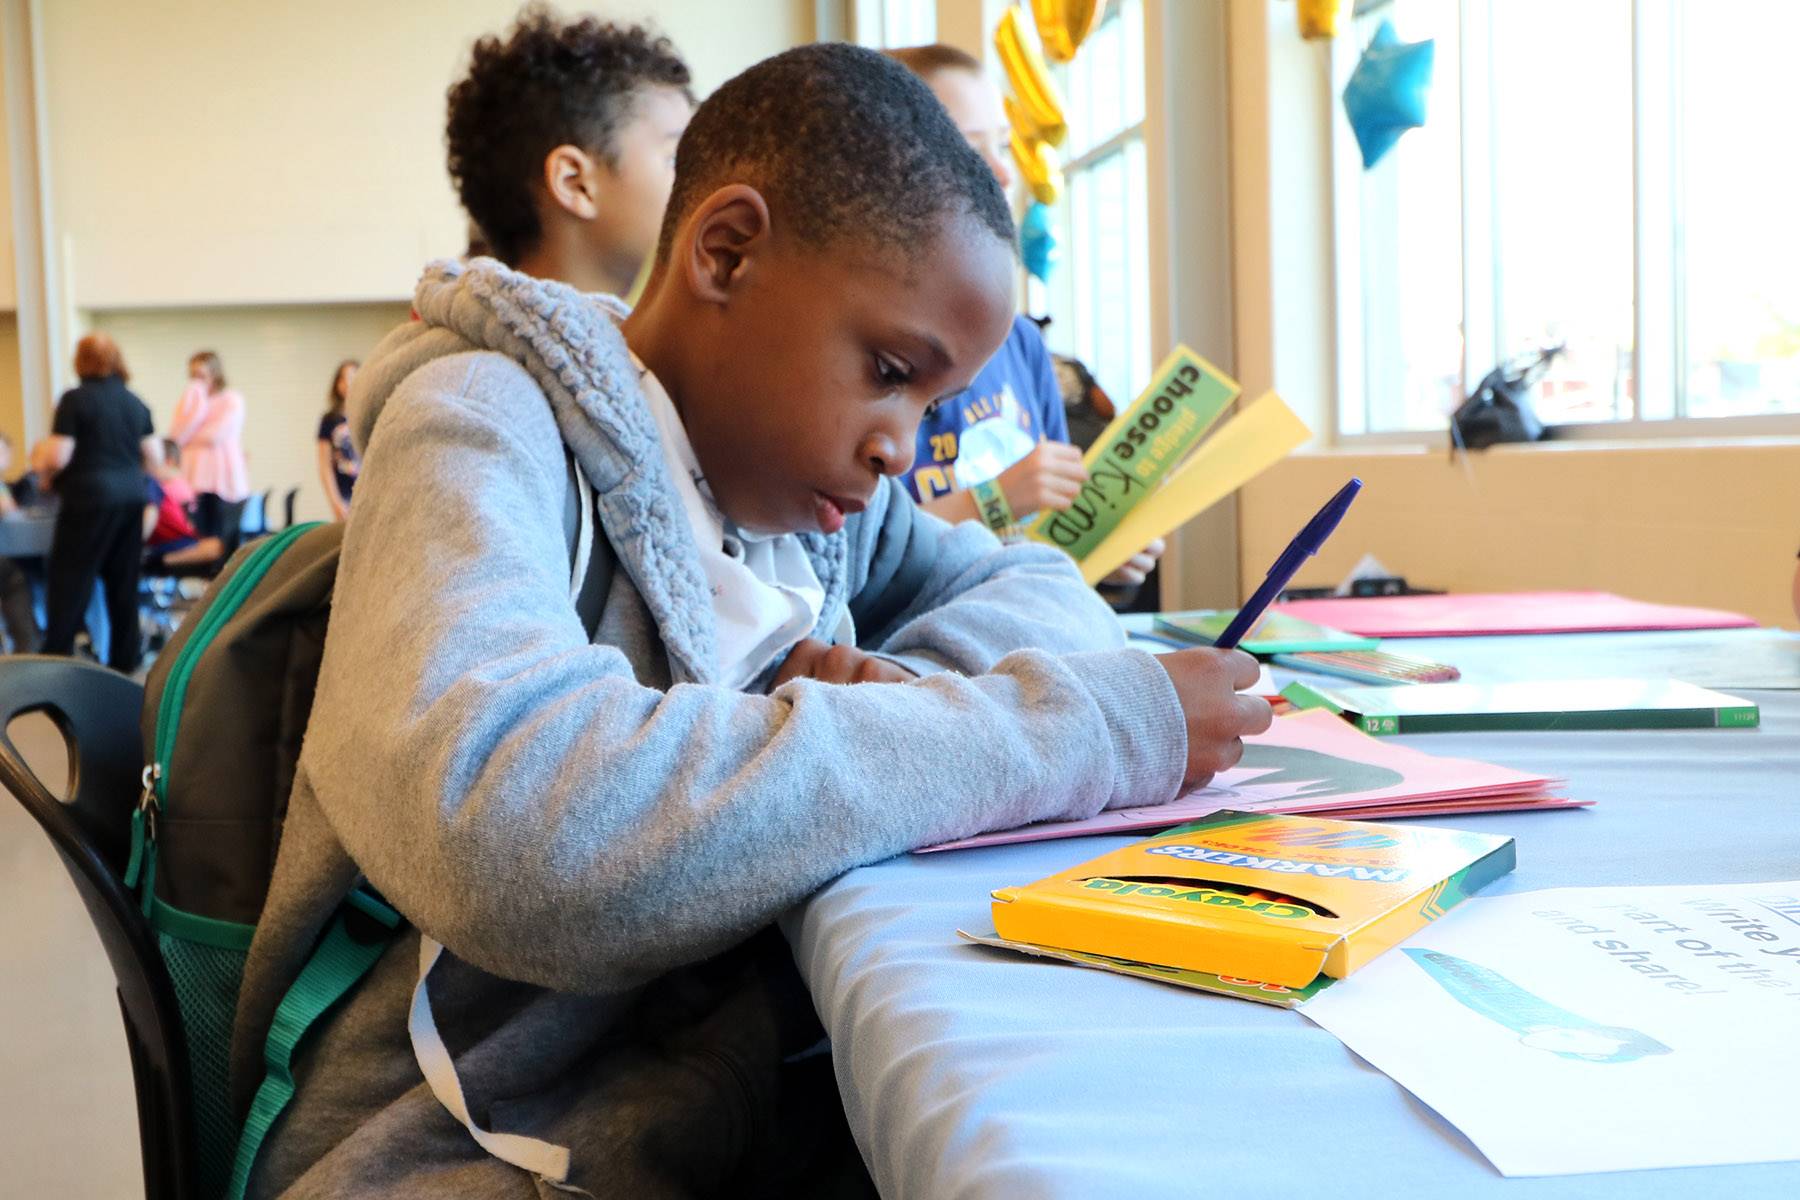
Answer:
[(1249, 896)]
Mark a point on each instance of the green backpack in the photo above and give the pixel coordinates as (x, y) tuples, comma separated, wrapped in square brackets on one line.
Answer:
[(225, 709)]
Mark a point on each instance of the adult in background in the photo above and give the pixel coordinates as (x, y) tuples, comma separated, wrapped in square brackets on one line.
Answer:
[(338, 463), (209, 428), (102, 442)]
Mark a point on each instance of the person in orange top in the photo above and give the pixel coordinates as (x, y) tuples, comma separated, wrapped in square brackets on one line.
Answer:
[(209, 428)]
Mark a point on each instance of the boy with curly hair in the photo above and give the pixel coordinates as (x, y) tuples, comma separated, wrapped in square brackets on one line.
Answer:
[(561, 141), (794, 671)]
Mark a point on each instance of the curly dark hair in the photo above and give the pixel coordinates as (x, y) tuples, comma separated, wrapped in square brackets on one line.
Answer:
[(549, 83), (842, 141)]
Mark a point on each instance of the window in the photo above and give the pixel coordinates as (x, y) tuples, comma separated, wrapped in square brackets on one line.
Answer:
[(1607, 177), (1098, 296), (1735, 173), (886, 24)]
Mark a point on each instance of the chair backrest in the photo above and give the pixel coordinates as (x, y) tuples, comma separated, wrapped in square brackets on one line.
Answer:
[(287, 504), (96, 712), (209, 515), (255, 521), (234, 529)]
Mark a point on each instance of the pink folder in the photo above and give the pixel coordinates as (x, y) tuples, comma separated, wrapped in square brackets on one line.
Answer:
[(1474, 614), (1315, 762)]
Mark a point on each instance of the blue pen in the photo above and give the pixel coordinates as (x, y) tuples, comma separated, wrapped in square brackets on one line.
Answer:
[(1298, 551)]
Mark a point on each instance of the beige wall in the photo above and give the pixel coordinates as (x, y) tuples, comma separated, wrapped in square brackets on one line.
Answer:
[(266, 180), (1708, 524), (208, 153), (12, 403)]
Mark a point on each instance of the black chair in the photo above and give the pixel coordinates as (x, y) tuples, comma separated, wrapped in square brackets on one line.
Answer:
[(96, 711), (287, 504), (217, 517)]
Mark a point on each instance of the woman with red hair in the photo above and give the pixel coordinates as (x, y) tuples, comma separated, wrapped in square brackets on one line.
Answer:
[(101, 443)]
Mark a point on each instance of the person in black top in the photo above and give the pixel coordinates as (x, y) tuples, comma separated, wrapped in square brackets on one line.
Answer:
[(102, 443), (338, 462)]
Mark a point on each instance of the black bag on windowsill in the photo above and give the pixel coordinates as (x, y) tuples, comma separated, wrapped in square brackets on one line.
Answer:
[(1499, 409)]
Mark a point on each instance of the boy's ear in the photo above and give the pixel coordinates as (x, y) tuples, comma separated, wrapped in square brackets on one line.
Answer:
[(728, 229), (571, 178)]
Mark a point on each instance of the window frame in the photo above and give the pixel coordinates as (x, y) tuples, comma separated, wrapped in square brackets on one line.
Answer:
[(1658, 291), (1141, 276)]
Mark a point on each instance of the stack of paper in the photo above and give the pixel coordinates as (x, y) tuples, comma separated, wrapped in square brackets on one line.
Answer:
[(1313, 762)]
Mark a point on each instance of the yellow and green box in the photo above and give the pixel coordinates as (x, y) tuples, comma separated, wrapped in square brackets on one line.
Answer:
[(1248, 896)]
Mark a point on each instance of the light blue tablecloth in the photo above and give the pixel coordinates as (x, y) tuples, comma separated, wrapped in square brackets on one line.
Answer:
[(969, 1072)]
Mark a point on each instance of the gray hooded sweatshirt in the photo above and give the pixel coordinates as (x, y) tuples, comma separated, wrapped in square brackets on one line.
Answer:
[(593, 830)]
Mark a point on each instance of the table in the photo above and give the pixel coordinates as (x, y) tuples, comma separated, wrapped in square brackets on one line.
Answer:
[(968, 1072), (27, 535)]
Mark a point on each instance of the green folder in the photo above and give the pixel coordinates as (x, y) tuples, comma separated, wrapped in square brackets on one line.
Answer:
[(1541, 705), (1277, 633)]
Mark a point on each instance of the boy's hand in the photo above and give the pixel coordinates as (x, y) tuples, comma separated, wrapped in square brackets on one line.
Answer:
[(813, 659), (1049, 477), (1218, 719), (1138, 567)]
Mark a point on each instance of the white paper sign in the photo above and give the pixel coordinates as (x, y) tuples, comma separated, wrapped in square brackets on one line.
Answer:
[(1595, 1029)]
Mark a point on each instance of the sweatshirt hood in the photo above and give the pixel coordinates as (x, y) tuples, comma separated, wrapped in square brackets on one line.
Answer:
[(569, 342)]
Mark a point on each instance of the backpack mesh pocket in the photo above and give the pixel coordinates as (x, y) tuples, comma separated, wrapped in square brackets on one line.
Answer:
[(206, 982)]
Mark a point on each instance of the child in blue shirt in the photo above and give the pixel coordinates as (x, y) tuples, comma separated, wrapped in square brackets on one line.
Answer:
[(1050, 475)]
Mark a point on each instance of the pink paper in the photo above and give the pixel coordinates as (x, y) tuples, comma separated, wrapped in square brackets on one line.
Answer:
[(1475, 614), (1436, 808), (1309, 762)]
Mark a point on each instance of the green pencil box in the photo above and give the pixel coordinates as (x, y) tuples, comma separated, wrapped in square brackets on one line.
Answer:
[(1572, 704), (1276, 633)]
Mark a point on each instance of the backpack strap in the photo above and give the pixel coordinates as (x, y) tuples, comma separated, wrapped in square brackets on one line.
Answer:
[(356, 938), (590, 554), (533, 1155)]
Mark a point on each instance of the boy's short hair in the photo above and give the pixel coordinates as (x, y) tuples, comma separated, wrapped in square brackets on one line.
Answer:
[(549, 83), (927, 61), (842, 141)]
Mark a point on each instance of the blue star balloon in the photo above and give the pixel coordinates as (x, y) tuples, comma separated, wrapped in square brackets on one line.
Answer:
[(1386, 93), (1037, 244)]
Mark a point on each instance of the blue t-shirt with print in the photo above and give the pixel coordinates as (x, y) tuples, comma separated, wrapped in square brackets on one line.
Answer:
[(1022, 366)]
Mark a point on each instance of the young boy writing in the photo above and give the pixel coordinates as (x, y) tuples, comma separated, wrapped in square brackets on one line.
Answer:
[(562, 146), (1051, 475), (588, 835)]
